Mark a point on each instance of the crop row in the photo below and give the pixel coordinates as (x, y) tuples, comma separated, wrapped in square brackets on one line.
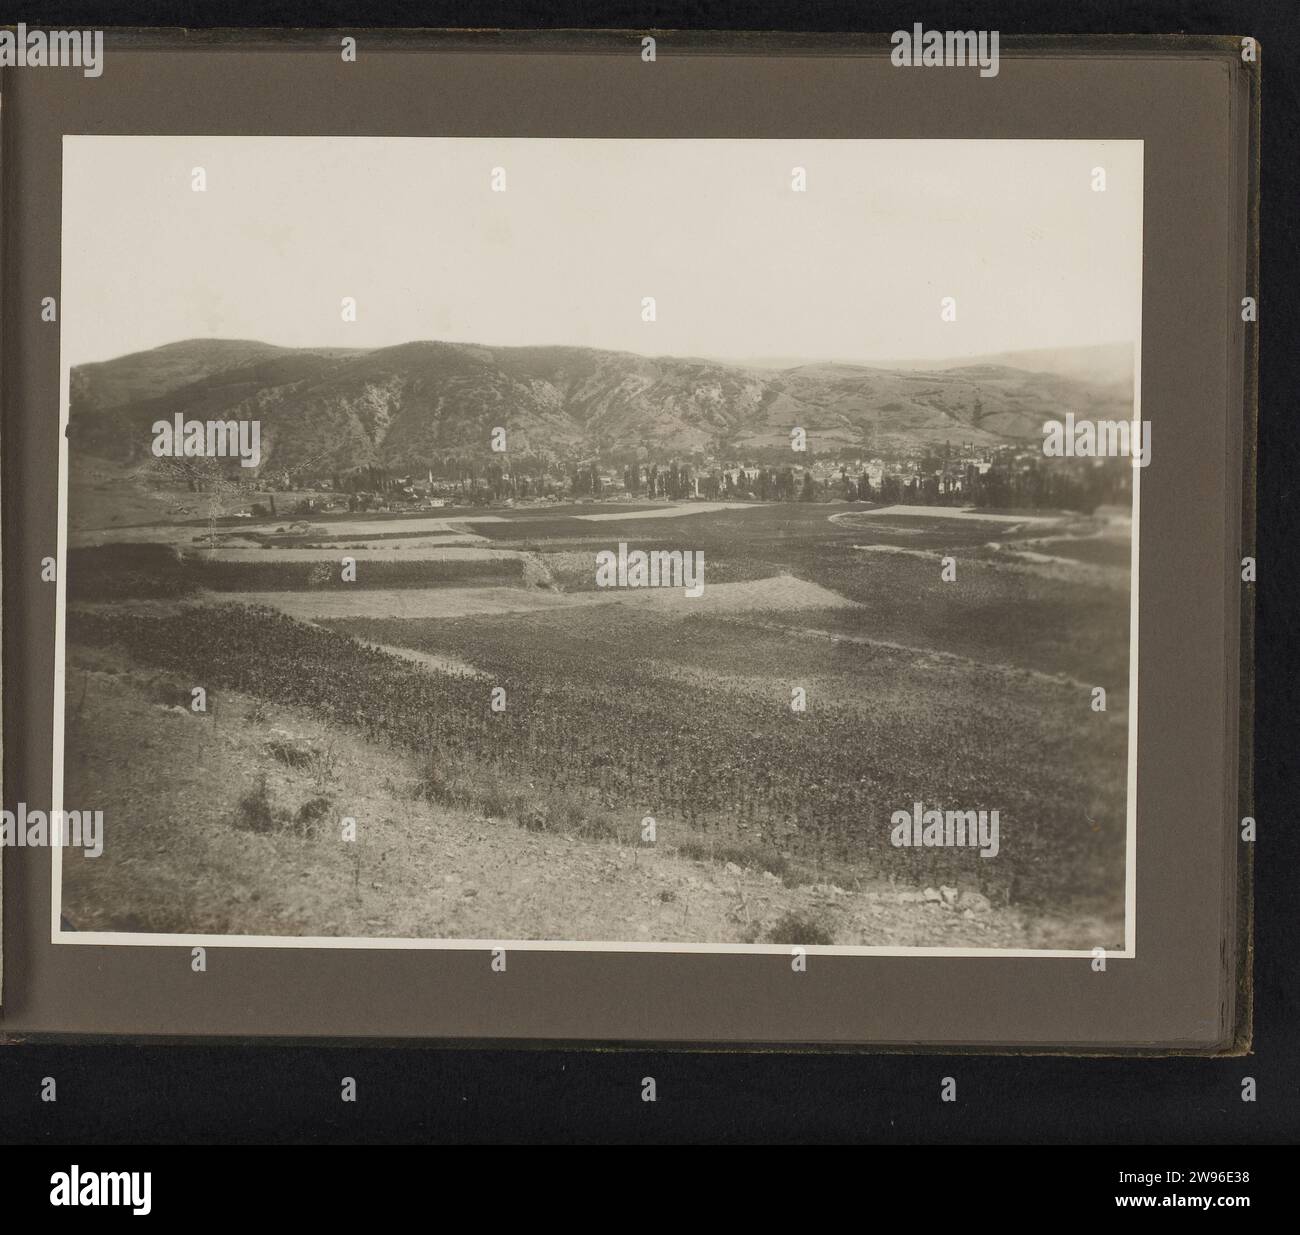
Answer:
[(590, 716)]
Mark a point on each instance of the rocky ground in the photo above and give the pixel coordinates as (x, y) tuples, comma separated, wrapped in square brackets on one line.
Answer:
[(186, 853)]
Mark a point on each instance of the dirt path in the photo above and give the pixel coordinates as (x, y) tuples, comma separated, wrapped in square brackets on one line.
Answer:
[(939, 512), (926, 654), (782, 592)]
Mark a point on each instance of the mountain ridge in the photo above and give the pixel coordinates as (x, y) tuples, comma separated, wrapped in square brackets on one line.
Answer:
[(409, 404)]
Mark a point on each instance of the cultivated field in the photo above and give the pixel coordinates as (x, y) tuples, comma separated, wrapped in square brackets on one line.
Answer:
[(618, 705)]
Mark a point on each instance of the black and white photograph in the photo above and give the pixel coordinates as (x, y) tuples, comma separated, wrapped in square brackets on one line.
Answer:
[(627, 544)]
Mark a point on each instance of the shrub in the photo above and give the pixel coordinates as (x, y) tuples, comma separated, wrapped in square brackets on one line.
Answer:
[(292, 752), (433, 785), (311, 812), (498, 802), (169, 693), (324, 764), (799, 928), (603, 826), (536, 820), (255, 812)]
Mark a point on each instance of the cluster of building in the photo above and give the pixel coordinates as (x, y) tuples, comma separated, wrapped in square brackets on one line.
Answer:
[(998, 476)]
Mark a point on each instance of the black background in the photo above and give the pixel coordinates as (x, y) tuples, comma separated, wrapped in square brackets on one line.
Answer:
[(161, 1094)]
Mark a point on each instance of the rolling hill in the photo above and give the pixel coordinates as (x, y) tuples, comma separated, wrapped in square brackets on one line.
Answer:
[(402, 407)]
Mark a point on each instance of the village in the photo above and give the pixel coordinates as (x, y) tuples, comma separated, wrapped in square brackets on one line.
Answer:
[(963, 474)]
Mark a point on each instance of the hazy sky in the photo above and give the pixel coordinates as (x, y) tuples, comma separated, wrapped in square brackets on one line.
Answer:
[(740, 266)]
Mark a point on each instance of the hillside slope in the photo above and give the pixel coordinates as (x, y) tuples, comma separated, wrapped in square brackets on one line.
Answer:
[(418, 870), (406, 406)]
